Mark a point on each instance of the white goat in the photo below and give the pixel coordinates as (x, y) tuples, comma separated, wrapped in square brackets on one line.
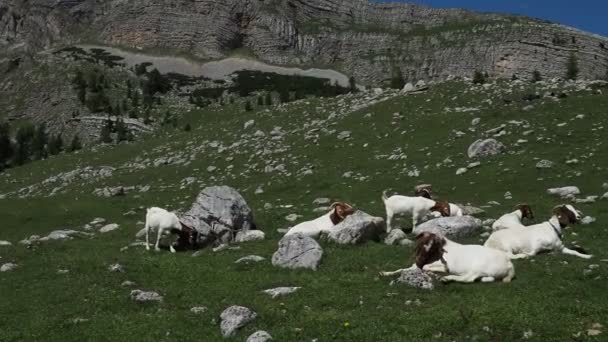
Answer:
[(463, 263), (337, 213), (163, 222), (418, 207), (523, 242), (514, 219)]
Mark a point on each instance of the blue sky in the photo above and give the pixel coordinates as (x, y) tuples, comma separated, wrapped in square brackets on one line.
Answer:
[(588, 15)]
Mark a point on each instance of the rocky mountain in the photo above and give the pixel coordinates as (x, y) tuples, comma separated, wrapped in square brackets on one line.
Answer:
[(366, 39)]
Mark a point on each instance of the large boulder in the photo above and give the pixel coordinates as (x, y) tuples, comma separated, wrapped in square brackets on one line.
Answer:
[(219, 212), (485, 148), (298, 251), (357, 228), (454, 227), (234, 318)]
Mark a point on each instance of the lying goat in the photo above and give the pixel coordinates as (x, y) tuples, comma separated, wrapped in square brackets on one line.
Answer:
[(337, 213), (463, 263), (523, 242), (514, 219), (418, 207), (166, 222)]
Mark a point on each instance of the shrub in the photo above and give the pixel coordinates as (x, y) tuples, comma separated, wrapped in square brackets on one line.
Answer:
[(260, 101), (536, 77), (248, 107), (75, 145), (187, 128), (56, 145), (572, 67), (479, 77), (268, 99), (397, 80), (39, 142), (24, 138), (105, 136), (7, 150)]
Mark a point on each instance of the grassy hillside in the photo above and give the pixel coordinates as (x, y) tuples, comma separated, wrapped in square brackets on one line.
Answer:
[(553, 298)]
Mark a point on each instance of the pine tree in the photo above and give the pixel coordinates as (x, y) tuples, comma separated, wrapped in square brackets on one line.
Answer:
[(284, 95), (268, 99), (23, 150), (187, 128), (56, 145), (129, 89), (133, 114), (260, 101), (572, 67), (479, 77), (122, 131), (75, 145), (147, 119), (6, 146), (248, 107), (135, 99), (105, 136), (397, 81), (82, 95), (352, 84), (39, 142), (536, 77)]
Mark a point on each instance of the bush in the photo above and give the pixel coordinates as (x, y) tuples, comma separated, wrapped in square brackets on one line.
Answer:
[(572, 67), (260, 101), (352, 85), (105, 136), (75, 145), (23, 150), (268, 99), (56, 145), (7, 149), (187, 128), (479, 77), (397, 80), (248, 107), (284, 95), (536, 77)]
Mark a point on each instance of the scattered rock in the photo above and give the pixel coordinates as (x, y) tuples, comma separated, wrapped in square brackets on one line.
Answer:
[(281, 291), (485, 148), (321, 201), (110, 192), (249, 235), (250, 258), (5, 243), (234, 318), (292, 217), (344, 135), (259, 336), (408, 88), (415, 277), (468, 210), (588, 220), (357, 228), (452, 227), (564, 192), (586, 200), (249, 124), (199, 310), (108, 228), (544, 164), (127, 283), (461, 171), (395, 237), (297, 251), (146, 296), (8, 267), (118, 268)]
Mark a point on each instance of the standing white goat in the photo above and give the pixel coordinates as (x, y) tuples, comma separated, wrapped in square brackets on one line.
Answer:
[(514, 219), (163, 222), (415, 206)]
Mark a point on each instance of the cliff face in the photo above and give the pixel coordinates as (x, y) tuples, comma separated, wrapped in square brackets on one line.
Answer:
[(361, 38)]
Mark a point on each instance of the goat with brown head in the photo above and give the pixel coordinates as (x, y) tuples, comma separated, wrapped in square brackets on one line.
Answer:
[(340, 211), (442, 207), (429, 248), (526, 211), (566, 215)]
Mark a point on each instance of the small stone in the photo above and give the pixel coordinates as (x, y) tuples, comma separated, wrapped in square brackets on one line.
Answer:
[(63, 271), (588, 220), (234, 318), (249, 124), (321, 201), (281, 291), (544, 164), (108, 228), (127, 283), (461, 171), (292, 217), (118, 268), (8, 267), (146, 296), (199, 310), (250, 258)]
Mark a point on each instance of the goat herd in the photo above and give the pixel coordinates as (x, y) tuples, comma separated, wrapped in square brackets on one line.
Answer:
[(462, 263)]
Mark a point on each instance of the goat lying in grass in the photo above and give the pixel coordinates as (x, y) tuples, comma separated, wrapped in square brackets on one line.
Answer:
[(514, 219), (463, 263), (166, 222), (337, 213), (418, 207), (523, 242)]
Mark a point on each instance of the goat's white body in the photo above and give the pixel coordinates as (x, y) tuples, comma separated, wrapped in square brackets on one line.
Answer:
[(162, 221), (507, 221), (467, 263), (415, 206), (313, 228), (526, 241)]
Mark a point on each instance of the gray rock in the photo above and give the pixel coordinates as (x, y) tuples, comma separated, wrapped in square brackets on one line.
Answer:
[(250, 258), (234, 318), (470, 210), (321, 201), (108, 228), (485, 148), (586, 200), (408, 88), (127, 283), (563, 192), (475, 121), (5, 243), (259, 336), (250, 235), (588, 220), (198, 309), (544, 164), (145, 296), (344, 135), (281, 291), (292, 217), (8, 267), (117, 268), (452, 227), (415, 277), (297, 251), (357, 228), (395, 237), (221, 212)]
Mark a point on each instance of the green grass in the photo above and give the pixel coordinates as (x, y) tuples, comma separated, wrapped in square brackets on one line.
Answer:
[(550, 296)]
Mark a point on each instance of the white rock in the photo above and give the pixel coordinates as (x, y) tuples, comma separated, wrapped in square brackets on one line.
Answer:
[(146, 296), (199, 309), (281, 291), (565, 191), (118, 268), (461, 171), (108, 228), (8, 267), (250, 258), (234, 318), (259, 336), (292, 217), (588, 220), (5, 243), (250, 235), (249, 124)]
